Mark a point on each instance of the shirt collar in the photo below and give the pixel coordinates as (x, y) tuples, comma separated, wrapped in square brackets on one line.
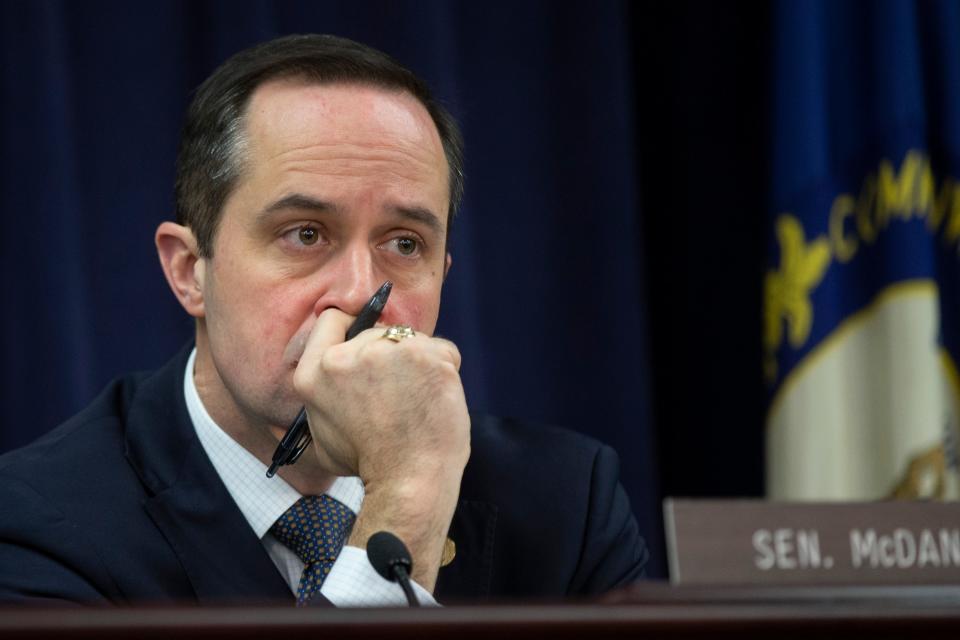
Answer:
[(261, 500)]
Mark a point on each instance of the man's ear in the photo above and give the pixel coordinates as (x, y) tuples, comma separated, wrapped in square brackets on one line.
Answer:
[(182, 265), (446, 265)]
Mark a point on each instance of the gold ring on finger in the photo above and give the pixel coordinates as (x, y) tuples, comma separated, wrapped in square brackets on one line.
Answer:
[(398, 332)]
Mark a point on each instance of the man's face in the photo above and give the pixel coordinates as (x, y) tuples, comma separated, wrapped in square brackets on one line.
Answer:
[(343, 188)]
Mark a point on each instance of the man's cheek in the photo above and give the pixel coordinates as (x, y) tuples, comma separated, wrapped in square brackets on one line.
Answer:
[(408, 311), (276, 315)]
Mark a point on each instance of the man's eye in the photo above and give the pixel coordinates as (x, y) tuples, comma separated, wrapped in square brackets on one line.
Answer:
[(407, 246), (308, 235), (305, 235)]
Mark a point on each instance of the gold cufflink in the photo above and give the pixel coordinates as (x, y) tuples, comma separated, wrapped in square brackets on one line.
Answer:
[(449, 552)]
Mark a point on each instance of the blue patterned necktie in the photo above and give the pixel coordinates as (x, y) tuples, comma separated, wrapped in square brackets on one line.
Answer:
[(314, 528)]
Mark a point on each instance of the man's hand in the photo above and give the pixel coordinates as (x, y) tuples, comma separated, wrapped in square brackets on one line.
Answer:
[(393, 413)]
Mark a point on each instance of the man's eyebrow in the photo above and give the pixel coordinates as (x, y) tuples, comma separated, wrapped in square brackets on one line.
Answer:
[(421, 215), (299, 201)]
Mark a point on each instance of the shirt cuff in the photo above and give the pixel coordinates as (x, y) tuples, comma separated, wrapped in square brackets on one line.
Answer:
[(353, 582)]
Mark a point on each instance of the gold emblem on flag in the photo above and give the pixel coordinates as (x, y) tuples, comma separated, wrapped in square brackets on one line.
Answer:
[(786, 291), (925, 477)]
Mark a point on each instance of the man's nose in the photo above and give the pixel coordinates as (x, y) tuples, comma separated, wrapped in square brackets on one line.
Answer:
[(353, 278)]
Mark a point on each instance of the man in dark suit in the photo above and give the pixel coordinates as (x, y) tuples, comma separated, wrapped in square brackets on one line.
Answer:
[(311, 170)]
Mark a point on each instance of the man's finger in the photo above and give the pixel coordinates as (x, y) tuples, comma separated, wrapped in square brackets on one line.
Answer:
[(446, 350), (330, 329), (440, 347)]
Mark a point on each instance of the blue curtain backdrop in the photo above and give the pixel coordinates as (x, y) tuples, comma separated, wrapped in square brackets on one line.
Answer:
[(545, 296)]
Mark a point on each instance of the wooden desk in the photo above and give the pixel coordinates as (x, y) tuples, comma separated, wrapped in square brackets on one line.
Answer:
[(650, 610)]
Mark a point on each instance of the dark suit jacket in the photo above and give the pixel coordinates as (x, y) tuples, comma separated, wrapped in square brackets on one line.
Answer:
[(120, 504)]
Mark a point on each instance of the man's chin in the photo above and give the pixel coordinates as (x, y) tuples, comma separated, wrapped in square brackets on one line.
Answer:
[(277, 432)]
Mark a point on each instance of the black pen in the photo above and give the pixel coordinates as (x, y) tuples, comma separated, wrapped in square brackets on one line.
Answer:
[(297, 438)]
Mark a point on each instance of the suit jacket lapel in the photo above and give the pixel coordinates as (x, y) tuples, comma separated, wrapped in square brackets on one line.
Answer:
[(218, 550), (468, 577), (222, 557)]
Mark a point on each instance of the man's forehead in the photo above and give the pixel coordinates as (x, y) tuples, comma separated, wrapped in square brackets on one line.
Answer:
[(300, 137), (340, 112)]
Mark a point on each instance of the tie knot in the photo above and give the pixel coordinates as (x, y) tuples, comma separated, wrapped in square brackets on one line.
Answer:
[(314, 528)]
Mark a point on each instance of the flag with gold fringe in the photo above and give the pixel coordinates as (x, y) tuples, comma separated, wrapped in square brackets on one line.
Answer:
[(861, 329)]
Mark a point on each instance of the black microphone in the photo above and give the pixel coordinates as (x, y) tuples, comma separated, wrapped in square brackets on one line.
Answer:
[(389, 556)]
